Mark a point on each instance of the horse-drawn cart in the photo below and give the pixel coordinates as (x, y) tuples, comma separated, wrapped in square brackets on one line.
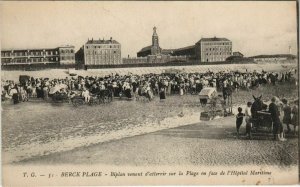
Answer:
[(261, 118)]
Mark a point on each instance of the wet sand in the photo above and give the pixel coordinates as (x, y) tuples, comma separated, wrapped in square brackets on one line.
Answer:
[(204, 144)]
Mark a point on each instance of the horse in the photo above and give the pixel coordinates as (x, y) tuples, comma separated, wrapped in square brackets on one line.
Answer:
[(255, 108)]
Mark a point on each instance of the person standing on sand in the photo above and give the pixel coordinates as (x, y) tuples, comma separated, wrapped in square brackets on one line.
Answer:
[(277, 125), (239, 121), (14, 94), (287, 115), (295, 112), (248, 119)]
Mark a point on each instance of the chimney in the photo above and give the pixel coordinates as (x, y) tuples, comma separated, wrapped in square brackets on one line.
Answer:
[(110, 38), (92, 39)]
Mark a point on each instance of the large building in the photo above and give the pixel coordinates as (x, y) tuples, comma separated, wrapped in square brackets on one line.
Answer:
[(205, 50), (61, 55), (99, 52), (213, 49)]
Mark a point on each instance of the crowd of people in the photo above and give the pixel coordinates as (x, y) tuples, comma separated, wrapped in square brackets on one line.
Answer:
[(131, 85)]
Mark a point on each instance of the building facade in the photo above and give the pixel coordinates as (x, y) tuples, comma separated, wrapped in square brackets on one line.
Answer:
[(135, 60), (99, 52), (66, 54), (213, 49), (60, 55)]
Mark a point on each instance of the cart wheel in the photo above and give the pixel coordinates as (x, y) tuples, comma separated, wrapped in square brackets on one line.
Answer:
[(105, 99)]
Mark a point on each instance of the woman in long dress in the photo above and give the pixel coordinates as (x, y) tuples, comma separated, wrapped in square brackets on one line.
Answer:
[(162, 93), (14, 94), (181, 88)]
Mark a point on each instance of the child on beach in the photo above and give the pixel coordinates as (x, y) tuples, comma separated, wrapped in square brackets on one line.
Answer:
[(239, 121)]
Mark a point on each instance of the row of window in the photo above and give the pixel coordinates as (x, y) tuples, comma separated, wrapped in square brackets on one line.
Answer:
[(103, 58), (103, 46), (213, 59), (23, 60), (102, 52), (217, 53), (217, 43), (90, 62), (67, 58), (218, 49), (67, 51), (32, 53)]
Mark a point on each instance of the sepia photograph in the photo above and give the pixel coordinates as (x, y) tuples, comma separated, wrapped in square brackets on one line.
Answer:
[(149, 93)]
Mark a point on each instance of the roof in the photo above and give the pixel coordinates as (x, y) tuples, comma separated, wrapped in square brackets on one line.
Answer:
[(274, 56), (212, 39), (66, 46), (26, 49), (102, 42), (37, 49), (146, 48), (184, 48), (167, 51)]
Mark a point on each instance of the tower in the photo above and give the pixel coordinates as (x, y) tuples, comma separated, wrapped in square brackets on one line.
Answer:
[(290, 50), (155, 49)]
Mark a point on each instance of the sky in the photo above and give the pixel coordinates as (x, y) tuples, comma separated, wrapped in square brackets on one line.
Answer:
[(253, 27)]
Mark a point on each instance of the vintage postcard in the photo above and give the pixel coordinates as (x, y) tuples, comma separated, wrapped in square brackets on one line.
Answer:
[(149, 93)]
